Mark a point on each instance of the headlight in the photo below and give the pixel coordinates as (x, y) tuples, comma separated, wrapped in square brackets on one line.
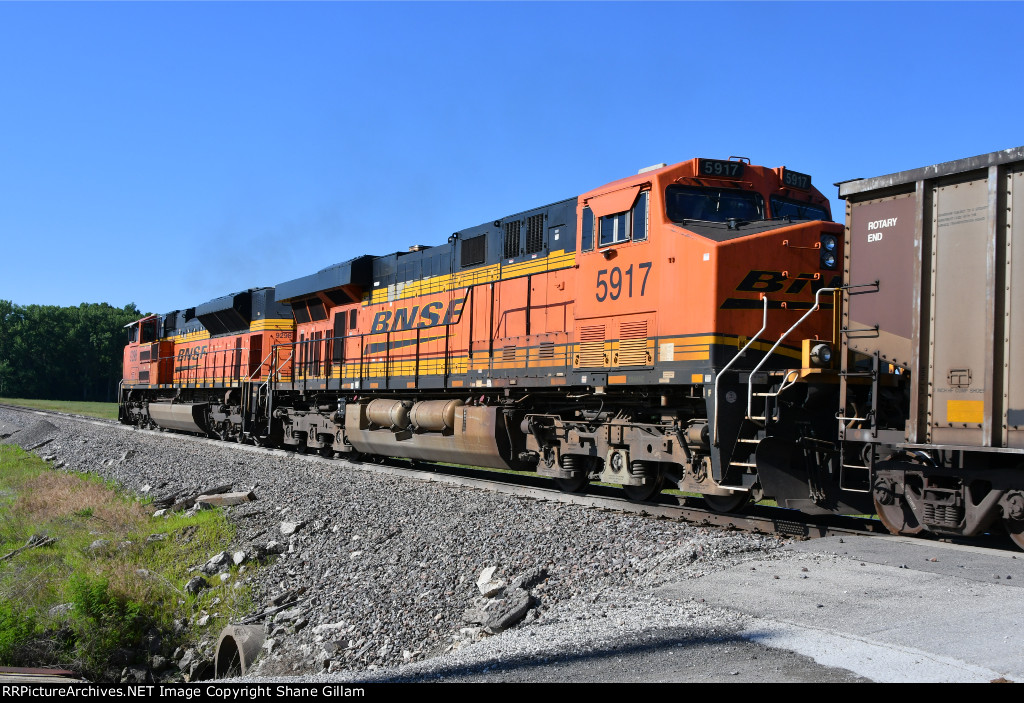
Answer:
[(821, 355), (829, 247)]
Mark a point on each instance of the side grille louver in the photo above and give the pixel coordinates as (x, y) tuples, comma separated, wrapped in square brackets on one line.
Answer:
[(534, 233), (633, 344), (512, 229), (592, 347)]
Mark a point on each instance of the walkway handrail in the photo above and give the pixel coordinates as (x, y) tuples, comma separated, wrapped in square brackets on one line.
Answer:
[(813, 308), (764, 326)]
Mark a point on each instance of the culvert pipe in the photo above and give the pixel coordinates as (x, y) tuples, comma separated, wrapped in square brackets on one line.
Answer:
[(237, 649)]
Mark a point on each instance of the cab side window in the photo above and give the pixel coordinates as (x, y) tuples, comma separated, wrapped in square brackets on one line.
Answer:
[(640, 217), (625, 226), (587, 232)]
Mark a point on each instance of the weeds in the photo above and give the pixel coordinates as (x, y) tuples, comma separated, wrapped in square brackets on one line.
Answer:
[(17, 626), (112, 581)]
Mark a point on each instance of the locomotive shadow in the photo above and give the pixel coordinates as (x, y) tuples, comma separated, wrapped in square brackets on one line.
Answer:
[(669, 651)]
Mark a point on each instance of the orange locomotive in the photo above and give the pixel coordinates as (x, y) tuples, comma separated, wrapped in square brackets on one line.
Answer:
[(656, 329)]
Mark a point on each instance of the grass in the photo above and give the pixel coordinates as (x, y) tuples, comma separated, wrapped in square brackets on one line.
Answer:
[(107, 411), (85, 608)]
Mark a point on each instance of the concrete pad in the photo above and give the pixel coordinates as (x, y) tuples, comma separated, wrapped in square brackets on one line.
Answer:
[(881, 607)]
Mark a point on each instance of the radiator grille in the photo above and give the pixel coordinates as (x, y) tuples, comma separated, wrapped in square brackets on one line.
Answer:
[(534, 233)]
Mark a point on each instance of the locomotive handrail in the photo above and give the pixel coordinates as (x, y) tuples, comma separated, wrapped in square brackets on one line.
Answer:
[(764, 326), (269, 354), (266, 383), (246, 401), (812, 309)]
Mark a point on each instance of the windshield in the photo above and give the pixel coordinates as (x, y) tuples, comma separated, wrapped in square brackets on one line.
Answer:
[(712, 204), (797, 210)]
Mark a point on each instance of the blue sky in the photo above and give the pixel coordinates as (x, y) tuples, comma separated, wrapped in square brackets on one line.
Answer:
[(169, 153)]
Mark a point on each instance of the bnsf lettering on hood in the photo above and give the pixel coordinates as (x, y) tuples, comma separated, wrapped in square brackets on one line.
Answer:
[(416, 316)]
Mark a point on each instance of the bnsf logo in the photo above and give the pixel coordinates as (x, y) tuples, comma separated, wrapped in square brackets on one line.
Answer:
[(192, 354), (774, 281), (416, 317)]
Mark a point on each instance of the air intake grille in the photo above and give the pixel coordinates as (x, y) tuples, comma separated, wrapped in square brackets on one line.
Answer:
[(474, 250), (512, 239), (633, 330), (534, 233), (592, 347), (546, 350), (633, 344)]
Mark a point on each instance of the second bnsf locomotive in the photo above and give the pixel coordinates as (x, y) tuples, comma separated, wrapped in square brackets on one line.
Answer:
[(704, 326)]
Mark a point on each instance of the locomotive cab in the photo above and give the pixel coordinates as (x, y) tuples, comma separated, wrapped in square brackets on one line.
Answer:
[(692, 277)]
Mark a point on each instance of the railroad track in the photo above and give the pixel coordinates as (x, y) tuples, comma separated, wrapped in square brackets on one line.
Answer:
[(756, 518)]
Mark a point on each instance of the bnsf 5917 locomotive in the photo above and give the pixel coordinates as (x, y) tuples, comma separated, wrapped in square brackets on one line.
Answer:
[(702, 325)]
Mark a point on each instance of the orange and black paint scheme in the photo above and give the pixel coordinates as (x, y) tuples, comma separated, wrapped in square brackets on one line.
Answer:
[(642, 334)]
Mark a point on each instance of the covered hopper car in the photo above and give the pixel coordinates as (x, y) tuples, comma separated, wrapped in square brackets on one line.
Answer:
[(703, 325)]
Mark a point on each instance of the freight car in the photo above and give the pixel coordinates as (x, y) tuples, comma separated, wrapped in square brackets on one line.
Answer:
[(702, 325), (931, 403)]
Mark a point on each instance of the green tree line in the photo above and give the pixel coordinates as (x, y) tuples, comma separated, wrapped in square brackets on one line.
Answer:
[(62, 353)]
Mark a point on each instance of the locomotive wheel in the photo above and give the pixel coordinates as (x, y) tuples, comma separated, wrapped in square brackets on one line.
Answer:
[(573, 485), (727, 504), (893, 510), (650, 488), (1015, 528)]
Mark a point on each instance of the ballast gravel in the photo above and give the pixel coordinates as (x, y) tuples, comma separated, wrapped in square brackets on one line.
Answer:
[(377, 571)]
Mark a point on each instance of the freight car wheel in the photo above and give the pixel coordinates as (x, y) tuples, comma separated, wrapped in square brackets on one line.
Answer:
[(892, 509), (1015, 528), (579, 469), (572, 485), (650, 488), (727, 504)]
